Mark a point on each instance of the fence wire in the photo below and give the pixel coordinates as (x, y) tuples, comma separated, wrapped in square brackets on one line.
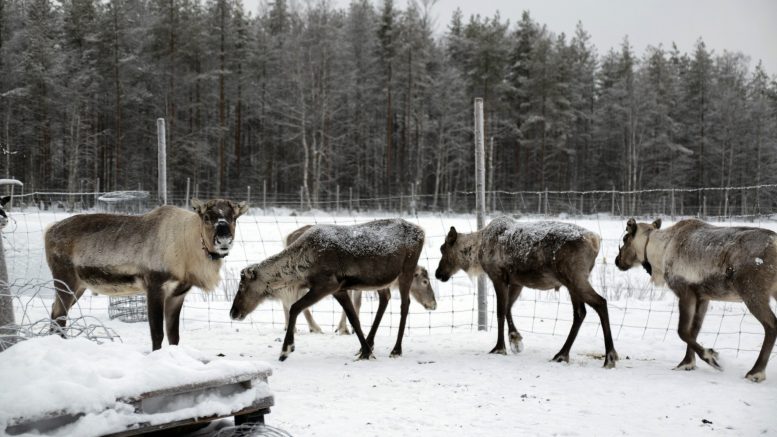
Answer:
[(637, 309)]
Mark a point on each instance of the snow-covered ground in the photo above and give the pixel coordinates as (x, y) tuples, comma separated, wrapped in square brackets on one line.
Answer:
[(446, 382)]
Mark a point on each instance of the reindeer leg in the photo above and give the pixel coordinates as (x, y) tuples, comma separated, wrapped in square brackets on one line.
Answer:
[(599, 304), (687, 313), (156, 314), (516, 340), (68, 290), (759, 307), (322, 286), (578, 315), (173, 305), (384, 295), (342, 327), (285, 315), (502, 297), (689, 362), (345, 302), (405, 279)]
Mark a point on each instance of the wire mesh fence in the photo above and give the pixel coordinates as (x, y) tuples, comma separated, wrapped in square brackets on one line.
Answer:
[(637, 308)]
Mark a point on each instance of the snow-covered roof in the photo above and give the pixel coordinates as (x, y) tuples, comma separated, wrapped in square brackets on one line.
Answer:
[(16, 182), (122, 196)]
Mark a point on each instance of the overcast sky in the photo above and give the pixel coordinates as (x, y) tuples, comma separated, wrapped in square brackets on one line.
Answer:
[(735, 25)]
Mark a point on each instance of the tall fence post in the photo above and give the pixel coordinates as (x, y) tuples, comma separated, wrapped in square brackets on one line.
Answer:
[(264, 196), (725, 204), (248, 195), (612, 202), (7, 319), (96, 192), (449, 202), (161, 161), (301, 198), (188, 188), (480, 205), (337, 199), (673, 204), (412, 198)]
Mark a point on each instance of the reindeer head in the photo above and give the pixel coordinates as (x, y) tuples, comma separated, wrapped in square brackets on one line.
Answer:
[(3, 217), (218, 224), (251, 292), (449, 262), (421, 289), (632, 252)]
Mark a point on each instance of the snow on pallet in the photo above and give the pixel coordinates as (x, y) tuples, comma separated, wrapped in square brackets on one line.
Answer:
[(75, 387)]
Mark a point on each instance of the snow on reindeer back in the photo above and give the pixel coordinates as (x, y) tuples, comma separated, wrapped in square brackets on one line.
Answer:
[(378, 237), (521, 238)]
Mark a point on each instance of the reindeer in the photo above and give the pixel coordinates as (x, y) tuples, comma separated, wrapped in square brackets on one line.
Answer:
[(330, 259), (540, 255), (700, 262), (420, 289), (162, 253)]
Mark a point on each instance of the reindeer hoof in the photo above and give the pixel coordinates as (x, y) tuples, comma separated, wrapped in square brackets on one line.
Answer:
[(686, 365), (396, 353), (610, 359), (363, 356), (499, 350), (711, 358), (756, 376), (343, 331), (286, 352), (516, 342), (561, 358), (316, 330)]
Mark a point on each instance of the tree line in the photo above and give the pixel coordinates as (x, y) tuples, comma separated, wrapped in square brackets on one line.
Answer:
[(307, 98)]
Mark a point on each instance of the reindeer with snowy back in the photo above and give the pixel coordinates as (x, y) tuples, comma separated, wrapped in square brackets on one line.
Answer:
[(539, 255), (329, 260)]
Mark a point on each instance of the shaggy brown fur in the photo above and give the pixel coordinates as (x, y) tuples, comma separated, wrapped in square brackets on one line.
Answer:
[(420, 290), (162, 253), (330, 259), (701, 262), (540, 255)]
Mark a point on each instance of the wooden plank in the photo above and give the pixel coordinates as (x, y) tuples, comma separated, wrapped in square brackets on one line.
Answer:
[(261, 406), (147, 402), (243, 377)]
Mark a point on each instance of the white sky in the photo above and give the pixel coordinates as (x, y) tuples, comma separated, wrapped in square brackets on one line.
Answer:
[(749, 26)]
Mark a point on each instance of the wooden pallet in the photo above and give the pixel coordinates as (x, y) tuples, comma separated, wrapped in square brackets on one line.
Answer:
[(154, 402)]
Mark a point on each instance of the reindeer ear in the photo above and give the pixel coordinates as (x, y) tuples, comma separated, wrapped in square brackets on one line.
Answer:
[(198, 206), (631, 226), (240, 209), (4, 201), (657, 223), (452, 236)]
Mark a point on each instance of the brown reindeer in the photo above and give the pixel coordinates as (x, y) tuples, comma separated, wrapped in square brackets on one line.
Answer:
[(420, 290), (541, 255), (162, 253), (701, 262), (330, 259)]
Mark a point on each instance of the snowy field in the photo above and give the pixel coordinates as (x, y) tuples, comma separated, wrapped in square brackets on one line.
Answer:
[(445, 381)]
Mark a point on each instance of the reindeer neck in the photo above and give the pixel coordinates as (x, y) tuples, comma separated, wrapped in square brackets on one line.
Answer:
[(468, 247), (288, 265), (653, 254)]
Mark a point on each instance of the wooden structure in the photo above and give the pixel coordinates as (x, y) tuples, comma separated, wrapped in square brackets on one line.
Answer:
[(159, 401)]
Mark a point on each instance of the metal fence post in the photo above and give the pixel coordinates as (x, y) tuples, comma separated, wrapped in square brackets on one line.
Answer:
[(161, 161), (188, 187), (480, 205)]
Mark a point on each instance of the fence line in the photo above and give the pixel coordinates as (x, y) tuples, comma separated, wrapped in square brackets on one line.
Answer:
[(637, 308), (714, 203)]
